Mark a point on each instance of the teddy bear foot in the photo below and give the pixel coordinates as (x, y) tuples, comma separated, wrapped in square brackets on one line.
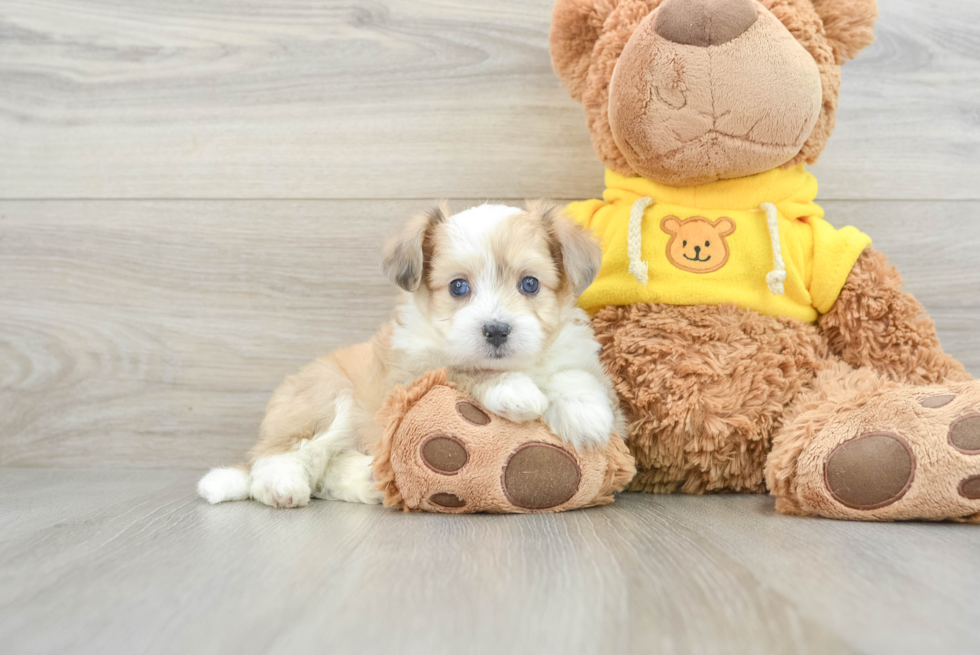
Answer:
[(441, 452), (905, 453)]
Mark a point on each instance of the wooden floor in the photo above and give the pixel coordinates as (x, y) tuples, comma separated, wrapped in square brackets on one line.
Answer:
[(91, 562), (192, 197)]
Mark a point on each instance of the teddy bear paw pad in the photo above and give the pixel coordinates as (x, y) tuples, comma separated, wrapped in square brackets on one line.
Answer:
[(870, 471), (964, 434), (540, 476), (935, 402), (447, 500), (444, 454), (472, 414), (970, 487)]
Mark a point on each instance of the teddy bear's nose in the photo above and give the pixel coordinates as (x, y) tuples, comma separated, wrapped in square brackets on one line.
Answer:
[(704, 22)]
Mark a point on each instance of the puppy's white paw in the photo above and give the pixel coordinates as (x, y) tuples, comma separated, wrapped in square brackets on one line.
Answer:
[(515, 397), (583, 421), (580, 411), (349, 477), (280, 481)]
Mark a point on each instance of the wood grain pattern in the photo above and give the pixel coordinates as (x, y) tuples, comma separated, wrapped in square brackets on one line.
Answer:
[(404, 99), (150, 334), (93, 562)]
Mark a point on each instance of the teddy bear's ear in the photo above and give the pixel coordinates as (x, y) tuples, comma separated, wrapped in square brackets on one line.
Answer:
[(575, 27), (725, 226), (848, 25), (670, 224)]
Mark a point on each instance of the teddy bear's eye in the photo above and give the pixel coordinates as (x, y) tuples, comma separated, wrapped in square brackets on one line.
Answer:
[(707, 243), (685, 243)]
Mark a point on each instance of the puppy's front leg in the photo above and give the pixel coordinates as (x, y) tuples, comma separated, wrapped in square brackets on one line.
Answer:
[(511, 395), (579, 409)]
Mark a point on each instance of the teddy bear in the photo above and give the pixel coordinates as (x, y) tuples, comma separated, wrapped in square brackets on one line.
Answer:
[(755, 346)]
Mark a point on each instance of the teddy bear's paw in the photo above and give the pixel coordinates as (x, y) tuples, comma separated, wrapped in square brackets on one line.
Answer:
[(453, 455), (905, 454), (280, 481)]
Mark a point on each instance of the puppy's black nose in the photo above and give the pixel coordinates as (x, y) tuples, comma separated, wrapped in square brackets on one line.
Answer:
[(697, 251), (496, 333)]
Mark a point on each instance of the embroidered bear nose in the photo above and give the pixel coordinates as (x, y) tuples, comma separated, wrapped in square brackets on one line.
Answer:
[(704, 22)]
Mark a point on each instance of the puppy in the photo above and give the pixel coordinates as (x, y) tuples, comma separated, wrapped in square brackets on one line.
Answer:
[(490, 295)]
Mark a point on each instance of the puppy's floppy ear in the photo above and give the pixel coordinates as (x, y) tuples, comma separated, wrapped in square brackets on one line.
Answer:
[(575, 27), (406, 255), (848, 25), (576, 251)]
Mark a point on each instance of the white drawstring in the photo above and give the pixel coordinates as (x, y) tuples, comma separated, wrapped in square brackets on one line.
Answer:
[(634, 241), (777, 275)]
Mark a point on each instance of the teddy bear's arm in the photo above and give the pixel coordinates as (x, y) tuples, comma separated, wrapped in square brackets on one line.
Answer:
[(875, 324)]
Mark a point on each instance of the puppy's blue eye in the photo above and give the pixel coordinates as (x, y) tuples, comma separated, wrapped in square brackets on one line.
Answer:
[(459, 288), (530, 285)]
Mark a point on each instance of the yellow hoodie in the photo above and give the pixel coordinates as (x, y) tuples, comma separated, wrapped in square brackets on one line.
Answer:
[(760, 242)]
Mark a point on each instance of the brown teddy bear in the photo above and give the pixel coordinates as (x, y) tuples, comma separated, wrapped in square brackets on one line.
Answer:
[(754, 346)]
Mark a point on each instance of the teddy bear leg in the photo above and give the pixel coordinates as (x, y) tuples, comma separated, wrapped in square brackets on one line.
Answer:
[(857, 446), (442, 452), (703, 389)]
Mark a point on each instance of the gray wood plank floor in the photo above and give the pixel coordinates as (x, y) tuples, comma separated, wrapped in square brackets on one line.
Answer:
[(92, 563)]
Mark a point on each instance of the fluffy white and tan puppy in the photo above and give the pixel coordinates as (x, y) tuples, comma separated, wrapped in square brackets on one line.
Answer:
[(490, 295)]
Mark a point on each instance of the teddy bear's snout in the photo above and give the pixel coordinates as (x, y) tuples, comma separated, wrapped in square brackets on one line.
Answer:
[(704, 22), (712, 89)]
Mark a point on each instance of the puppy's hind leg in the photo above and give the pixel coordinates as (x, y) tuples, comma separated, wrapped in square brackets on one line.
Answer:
[(349, 477), (289, 479)]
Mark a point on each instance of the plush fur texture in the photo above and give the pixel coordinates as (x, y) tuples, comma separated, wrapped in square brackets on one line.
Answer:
[(589, 36), (875, 324), (704, 388), (428, 408), (541, 363), (674, 107)]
